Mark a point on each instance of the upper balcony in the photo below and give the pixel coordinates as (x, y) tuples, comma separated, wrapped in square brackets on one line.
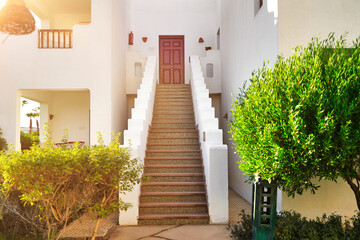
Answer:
[(56, 19)]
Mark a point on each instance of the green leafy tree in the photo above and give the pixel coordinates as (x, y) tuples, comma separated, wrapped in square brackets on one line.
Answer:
[(299, 122)]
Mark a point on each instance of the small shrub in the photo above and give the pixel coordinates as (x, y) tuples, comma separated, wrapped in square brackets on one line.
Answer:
[(27, 140), (291, 225), (242, 230), (3, 143), (63, 182)]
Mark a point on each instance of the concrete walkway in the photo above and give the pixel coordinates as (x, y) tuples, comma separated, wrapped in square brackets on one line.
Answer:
[(181, 232), (185, 232)]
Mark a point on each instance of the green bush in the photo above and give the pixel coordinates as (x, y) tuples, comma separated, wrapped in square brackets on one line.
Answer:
[(62, 182), (299, 122), (3, 143), (29, 139), (292, 226)]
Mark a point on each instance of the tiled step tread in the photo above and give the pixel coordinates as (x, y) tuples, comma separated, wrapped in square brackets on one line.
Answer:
[(171, 123), (173, 193), (173, 144), (173, 137), (173, 204), (174, 166), (174, 131), (177, 105), (172, 183), (173, 174), (174, 216), (177, 117), (170, 128), (175, 158), (172, 151)]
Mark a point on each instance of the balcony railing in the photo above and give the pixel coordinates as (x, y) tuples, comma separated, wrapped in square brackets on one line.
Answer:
[(55, 38)]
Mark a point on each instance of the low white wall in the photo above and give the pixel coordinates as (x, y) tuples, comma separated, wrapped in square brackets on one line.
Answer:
[(135, 137), (214, 152)]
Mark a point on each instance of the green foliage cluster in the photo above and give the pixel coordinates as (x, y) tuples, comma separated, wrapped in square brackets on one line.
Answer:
[(29, 139), (300, 120), (3, 143), (292, 226), (62, 182)]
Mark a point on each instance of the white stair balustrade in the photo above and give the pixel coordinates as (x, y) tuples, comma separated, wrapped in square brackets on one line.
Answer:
[(136, 136), (214, 152)]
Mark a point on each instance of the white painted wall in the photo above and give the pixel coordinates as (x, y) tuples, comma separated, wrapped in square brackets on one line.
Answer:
[(246, 41), (299, 21), (67, 21), (212, 83), (97, 63), (191, 18), (132, 80), (118, 66)]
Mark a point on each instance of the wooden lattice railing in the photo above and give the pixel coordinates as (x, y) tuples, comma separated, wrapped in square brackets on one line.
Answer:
[(55, 38)]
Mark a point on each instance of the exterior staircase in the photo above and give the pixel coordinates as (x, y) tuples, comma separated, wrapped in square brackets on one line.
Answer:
[(175, 192)]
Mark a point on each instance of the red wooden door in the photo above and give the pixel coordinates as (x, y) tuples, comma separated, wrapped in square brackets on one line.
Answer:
[(171, 59)]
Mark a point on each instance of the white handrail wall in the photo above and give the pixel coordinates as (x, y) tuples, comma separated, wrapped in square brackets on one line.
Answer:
[(136, 136), (214, 152)]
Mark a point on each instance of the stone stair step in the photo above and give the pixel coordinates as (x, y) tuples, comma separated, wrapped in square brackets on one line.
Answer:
[(172, 208), (173, 222), (197, 168), (147, 197), (174, 134), (173, 140), (175, 105), (169, 101), (174, 219), (174, 127), (172, 110), (171, 125), (172, 187), (174, 114), (173, 146), (174, 177), (173, 153), (173, 119), (173, 94), (173, 87), (172, 161)]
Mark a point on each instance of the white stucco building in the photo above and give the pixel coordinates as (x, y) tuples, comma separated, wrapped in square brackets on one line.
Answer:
[(89, 84)]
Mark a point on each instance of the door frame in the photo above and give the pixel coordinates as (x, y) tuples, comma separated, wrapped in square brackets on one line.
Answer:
[(180, 37)]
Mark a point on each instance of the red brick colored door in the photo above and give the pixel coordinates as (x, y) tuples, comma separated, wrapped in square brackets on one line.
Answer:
[(171, 59)]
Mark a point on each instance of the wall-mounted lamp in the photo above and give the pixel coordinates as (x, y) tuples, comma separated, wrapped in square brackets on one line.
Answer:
[(144, 39), (131, 38), (207, 48), (226, 116), (201, 40), (51, 116)]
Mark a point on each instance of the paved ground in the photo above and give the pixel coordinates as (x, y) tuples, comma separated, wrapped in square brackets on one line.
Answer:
[(185, 232)]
